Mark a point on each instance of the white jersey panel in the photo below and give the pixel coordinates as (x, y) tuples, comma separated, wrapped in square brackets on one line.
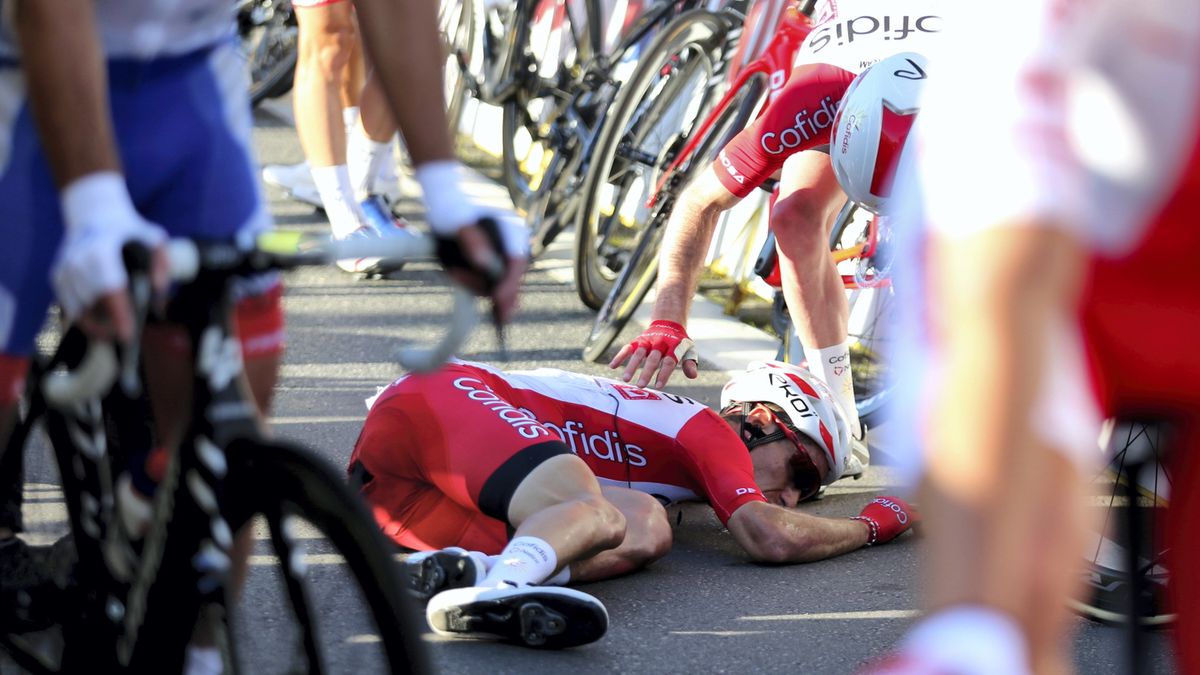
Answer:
[(853, 34), (667, 415), (1076, 118), (147, 29)]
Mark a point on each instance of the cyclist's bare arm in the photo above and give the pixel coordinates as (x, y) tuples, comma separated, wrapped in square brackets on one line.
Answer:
[(403, 42), (685, 245), (773, 534), (1006, 288), (68, 92)]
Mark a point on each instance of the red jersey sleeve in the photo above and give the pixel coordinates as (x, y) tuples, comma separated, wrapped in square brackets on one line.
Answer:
[(719, 463)]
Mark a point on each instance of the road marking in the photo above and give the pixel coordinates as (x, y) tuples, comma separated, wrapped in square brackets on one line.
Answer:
[(838, 616), (720, 633), (317, 419), (309, 559)]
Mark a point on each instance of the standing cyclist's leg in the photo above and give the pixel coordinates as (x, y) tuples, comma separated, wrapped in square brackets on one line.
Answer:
[(809, 201), (327, 46)]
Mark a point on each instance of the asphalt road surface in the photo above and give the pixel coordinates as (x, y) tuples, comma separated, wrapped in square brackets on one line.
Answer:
[(705, 608)]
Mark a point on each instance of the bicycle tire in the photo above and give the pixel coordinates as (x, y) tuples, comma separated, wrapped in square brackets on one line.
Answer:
[(868, 332), (526, 114), (271, 59), (599, 224), (284, 483), (460, 50), (1107, 583)]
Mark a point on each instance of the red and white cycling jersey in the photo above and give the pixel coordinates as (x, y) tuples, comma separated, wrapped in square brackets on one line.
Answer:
[(667, 445), (848, 36), (853, 34)]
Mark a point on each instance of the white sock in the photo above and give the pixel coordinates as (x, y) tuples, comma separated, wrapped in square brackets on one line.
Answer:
[(526, 560), (832, 364), (203, 661), (366, 159), (344, 213), (969, 639), (562, 578), (350, 118)]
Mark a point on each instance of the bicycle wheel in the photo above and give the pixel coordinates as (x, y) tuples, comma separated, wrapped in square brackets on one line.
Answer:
[(269, 39), (665, 101), (556, 47), (456, 24), (342, 593), (1107, 581), (872, 315)]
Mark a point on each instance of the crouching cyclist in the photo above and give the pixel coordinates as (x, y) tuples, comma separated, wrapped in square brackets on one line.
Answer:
[(514, 484)]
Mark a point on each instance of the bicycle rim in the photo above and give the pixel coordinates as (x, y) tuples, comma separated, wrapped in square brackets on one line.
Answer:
[(269, 46), (667, 97), (630, 289), (1105, 573), (456, 24), (527, 148), (320, 560)]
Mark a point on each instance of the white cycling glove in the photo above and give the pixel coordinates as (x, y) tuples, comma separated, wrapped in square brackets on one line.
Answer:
[(100, 219), (449, 209)]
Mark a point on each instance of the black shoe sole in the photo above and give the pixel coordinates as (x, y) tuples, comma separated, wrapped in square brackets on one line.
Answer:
[(537, 620), (439, 572)]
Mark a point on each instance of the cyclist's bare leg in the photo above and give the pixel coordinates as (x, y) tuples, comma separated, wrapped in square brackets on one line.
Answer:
[(809, 200), (647, 537), (377, 120), (1002, 505), (560, 503), (354, 73), (327, 47)]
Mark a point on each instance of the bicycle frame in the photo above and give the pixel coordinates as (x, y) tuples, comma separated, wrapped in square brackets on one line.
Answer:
[(775, 63)]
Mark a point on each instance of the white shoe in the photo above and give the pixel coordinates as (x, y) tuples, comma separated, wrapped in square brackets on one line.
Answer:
[(294, 179), (860, 455), (431, 572), (545, 617)]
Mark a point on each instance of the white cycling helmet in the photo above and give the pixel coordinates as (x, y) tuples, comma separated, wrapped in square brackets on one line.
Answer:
[(872, 125), (806, 401)]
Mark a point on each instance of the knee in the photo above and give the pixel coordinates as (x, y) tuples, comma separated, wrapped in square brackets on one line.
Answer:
[(648, 532), (607, 523), (327, 49), (798, 221)]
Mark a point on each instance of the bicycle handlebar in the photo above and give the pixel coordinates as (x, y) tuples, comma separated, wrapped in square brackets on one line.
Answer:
[(188, 259)]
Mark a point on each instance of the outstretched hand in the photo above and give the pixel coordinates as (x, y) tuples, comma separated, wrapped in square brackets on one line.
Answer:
[(661, 348)]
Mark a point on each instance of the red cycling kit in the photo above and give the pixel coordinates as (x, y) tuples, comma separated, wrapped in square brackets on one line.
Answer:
[(441, 454), (1089, 117), (847, 37)]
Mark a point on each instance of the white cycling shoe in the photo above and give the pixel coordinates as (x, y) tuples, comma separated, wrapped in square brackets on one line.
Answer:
[(431, 572), (380, 223), (294, 179), (542, 617), (860, 455)]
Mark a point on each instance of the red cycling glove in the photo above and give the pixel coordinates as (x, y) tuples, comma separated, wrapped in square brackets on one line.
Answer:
[(888, 518), (669, 339)]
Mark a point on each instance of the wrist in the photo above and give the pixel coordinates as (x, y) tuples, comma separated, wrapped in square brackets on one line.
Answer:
[(667, 323), (871, 527), (100, 197), (448, 209)]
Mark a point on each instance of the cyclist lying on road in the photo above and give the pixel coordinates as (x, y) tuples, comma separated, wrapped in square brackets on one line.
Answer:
[(580, 467)]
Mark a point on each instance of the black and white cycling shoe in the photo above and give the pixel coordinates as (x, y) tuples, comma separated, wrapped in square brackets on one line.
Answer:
[(431, 572), (542, 617)]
